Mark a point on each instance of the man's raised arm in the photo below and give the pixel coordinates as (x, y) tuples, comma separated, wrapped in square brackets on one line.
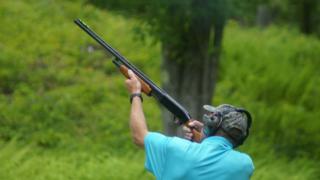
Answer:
[(138, 124)]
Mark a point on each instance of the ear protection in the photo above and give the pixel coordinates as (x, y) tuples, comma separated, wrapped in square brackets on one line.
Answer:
[(249, 122), (213, 123)]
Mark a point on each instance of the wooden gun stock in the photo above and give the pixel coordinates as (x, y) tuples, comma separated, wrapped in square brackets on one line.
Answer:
[(197, 136)]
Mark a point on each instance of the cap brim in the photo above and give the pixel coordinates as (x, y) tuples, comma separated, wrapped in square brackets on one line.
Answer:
[(209, 108)]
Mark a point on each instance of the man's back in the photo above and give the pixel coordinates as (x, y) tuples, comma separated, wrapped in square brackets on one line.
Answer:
[(176, 158)]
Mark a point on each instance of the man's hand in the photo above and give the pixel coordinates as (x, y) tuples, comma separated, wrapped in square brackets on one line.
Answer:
[(187, 133), (133, 84)]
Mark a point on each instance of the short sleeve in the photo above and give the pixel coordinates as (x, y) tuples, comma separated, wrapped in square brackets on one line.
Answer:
[(250, 166), (155, 147)]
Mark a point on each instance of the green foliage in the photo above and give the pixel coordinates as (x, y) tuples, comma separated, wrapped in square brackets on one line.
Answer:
[(54, 89), (301, 14), (272, 167), (181, 24), (24, 163), (275, 74)]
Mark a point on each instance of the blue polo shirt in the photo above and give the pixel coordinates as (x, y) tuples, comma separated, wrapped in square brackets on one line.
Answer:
[(171, 158)]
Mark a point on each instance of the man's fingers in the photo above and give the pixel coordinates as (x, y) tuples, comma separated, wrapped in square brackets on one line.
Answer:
[(197, 124), (131, 74), (194, 124), (191, 124), (186, 129)]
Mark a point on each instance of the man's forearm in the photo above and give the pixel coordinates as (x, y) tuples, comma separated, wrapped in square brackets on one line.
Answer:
[(138, 124)]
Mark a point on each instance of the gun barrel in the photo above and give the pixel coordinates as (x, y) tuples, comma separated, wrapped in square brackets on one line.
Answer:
[(152, 89), (116, 54)]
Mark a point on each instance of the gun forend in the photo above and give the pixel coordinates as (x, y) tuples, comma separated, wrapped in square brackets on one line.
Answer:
[(197, 136), (124, 70)]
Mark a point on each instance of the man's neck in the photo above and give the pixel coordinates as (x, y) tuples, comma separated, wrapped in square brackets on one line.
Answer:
[(222, 134)]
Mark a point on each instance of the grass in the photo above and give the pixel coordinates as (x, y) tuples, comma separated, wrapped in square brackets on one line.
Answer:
[(32, 163)]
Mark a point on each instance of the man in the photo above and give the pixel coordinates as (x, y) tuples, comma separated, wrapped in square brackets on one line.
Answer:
[(224, 128)]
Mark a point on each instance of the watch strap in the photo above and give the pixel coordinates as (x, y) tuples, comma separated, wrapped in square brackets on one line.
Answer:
[(136, 95)]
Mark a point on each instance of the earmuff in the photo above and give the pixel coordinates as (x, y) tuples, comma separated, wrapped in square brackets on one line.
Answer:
[(249, 122), (212, 123)]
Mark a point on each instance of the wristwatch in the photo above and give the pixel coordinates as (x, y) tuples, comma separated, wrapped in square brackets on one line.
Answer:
[(134, 95)]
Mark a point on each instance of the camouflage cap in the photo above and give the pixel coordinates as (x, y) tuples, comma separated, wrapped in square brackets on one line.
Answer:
[(233, 118)]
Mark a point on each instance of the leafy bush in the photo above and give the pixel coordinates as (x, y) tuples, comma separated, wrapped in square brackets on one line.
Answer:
[(54, 89), (274, 73)]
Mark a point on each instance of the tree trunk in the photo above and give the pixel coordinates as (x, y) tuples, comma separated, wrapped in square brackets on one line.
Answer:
[(191, 77), (263, 17), (307, 11)]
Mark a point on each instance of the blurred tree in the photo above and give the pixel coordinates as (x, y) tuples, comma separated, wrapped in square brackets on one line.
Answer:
[(307, 14), (263, 18), (190, 32), (302, 13)]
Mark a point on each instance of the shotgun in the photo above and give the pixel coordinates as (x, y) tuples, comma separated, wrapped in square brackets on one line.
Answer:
[(148, 87)]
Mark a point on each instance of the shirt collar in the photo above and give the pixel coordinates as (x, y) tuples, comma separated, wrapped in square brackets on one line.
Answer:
[(219, 140)]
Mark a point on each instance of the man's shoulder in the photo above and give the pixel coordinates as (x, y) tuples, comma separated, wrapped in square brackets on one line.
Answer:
[(158, 137), (155, 137), (179, 143), (241, 159), (155, 140), (241, 156), (173, 147)]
